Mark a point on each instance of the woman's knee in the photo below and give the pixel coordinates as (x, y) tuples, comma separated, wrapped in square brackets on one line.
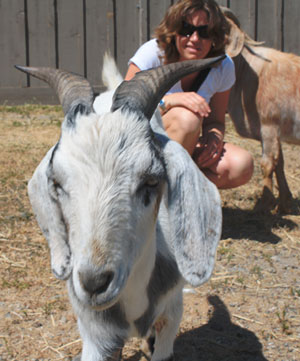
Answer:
[(183, 126), (242, 166), (182, 120), (236, 167)]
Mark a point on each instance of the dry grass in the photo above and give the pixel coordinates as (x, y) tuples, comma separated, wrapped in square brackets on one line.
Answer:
[(248, 311)]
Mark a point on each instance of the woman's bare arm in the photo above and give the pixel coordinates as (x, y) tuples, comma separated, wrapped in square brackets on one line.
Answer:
[(211, 142), (132, 70)]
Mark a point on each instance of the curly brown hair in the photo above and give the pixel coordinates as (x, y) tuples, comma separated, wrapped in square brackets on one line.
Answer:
[(218, 28)]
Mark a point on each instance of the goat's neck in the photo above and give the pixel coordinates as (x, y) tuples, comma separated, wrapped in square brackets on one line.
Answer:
[(255, 58), (242, 102), (139, 279)]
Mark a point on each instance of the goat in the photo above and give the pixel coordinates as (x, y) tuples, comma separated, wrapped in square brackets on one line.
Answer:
[(128, 216), (264, 104)]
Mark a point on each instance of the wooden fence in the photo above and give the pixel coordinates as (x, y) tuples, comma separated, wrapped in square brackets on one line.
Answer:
[(73, 35)]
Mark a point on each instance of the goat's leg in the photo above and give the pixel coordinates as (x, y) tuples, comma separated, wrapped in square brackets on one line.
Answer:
[(147, 346), (92, 353), (98, 344), (78, 357), (285, 195), (166, 329), (270, 149)]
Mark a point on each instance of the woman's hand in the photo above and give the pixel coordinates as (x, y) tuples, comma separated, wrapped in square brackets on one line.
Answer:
[(209, 149), (190, 100)]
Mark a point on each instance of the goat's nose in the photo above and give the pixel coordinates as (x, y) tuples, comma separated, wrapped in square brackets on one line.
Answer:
[(95, 283)]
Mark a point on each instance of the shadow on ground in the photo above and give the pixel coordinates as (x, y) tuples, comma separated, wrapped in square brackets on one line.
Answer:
[(219, 340), (256, 226)]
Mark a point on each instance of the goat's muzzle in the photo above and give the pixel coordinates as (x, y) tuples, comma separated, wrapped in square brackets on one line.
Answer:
[(95, 283), (99, 288)]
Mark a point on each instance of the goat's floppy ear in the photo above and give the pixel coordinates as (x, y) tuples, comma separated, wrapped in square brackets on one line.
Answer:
[(236, 40), (195, 215), (50, 219)]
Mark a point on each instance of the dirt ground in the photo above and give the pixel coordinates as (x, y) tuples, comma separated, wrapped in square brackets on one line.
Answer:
[(248, 311)]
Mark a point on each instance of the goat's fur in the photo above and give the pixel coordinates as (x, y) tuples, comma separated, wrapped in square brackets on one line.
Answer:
[(129, 218), (264, 104)]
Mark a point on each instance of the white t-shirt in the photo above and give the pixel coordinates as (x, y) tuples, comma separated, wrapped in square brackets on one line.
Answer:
[(219, 79)]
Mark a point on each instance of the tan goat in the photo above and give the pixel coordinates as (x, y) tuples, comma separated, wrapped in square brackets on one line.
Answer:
[(265, 104)]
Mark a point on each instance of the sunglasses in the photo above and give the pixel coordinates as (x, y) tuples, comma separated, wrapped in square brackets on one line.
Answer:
[(189, 29)]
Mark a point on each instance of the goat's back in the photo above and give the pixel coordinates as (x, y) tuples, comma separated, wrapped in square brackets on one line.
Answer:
[(270, 92), (111, 76), (278, 94)]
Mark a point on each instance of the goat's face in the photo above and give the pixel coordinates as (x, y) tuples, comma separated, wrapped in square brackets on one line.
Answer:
[(96, 194), (106, 178)]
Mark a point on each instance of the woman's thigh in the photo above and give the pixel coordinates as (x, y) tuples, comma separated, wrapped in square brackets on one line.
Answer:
[(184, 126)]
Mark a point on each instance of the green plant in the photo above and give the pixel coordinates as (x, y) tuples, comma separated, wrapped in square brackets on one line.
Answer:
[(284, 322)]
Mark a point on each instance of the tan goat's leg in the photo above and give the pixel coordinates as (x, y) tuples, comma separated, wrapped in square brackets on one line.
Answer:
[(285, 195), (271, 151)]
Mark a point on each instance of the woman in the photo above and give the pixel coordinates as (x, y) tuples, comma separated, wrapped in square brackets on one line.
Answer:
[(197, 29)]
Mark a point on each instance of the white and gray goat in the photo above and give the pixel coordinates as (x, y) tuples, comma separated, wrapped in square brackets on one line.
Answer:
[(264, 104), (128, 216)]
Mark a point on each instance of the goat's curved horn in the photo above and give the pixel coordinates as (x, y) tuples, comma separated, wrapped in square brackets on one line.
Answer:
[(144, 91), (70, 88)]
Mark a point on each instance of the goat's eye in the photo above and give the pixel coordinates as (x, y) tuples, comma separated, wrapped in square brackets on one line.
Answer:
[(147, 189), (151, 182), (58, 188)]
